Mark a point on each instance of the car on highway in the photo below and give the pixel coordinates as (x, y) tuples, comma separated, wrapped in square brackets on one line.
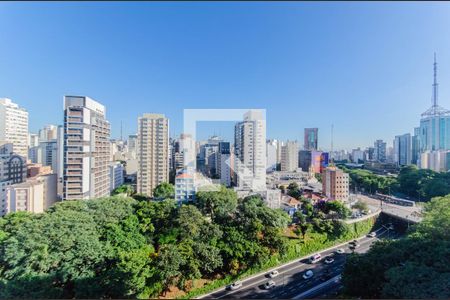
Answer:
[(235, 285), (329, 260), (372, 234), (269, 284), (308, 274), (340, 251), (274, 274), (315, 258)]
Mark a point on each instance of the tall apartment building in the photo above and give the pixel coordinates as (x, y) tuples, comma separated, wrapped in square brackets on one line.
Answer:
[(250, 152), (153, 152), (289, 156), (402, 149), (14, 126), (13, 169), (224, 163), (48, 133), (86, 149), (335, 184), (311, 138), (379, 151)]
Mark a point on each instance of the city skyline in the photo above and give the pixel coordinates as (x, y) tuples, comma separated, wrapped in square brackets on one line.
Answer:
[(304, 86)]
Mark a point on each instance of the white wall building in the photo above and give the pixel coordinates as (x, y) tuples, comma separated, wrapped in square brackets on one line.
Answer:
[(271, 153), (116, 175), (86, 149), (14, 126)]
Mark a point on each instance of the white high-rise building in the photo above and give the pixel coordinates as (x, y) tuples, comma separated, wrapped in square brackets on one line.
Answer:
[(153, 152), (14, 126), (289, 156), (86, 149), (250, 152)]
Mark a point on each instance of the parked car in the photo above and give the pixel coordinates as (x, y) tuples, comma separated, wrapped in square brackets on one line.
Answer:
[(273, 274), (269, 284), (372, 234), (235, 285), (329, 260), (308, 274), (355, 246), (315, 258)]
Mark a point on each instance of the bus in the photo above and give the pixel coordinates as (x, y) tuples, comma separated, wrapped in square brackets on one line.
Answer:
[(394, 200)]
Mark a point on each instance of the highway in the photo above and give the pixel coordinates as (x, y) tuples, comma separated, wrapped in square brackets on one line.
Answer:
[(290, 283)]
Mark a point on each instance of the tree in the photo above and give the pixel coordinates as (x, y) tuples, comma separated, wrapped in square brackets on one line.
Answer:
[(123, 189), (293, 190), (217, 204), (361, 206), (338, 208), (164, 190)]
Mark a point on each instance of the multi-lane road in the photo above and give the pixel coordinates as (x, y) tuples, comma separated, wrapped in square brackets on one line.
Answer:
[(290, 283)]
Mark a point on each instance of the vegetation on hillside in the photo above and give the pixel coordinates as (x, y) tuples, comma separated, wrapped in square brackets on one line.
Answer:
[(420, 184)]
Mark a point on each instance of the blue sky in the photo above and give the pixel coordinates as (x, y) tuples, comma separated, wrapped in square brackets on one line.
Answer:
[(365, 67)]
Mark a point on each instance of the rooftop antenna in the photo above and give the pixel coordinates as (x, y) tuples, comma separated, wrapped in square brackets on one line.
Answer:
[(435, 84)]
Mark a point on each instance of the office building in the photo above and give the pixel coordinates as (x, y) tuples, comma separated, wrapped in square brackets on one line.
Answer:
[(435, 123), (311, 139), (250, 152), (357, 155), (153, 152), (335, 184), (14, 126), (379, 153), (13, 169), (289, 156), (86, 149), (402, 149), (304, 160)]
